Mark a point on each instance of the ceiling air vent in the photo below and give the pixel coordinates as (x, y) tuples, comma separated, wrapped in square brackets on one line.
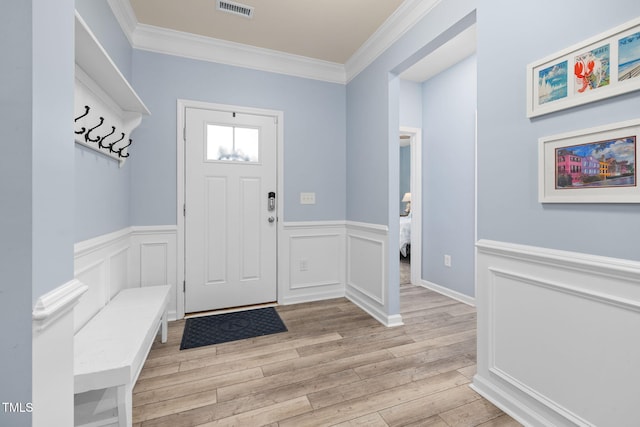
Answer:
[(235, 8)]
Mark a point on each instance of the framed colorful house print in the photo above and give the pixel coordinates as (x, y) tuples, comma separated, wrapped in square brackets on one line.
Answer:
[(597, 165)]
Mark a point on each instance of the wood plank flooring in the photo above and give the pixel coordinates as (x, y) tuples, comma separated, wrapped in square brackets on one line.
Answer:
[(336, 366)]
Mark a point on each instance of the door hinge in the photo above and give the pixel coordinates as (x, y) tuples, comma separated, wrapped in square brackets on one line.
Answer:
[(184, 286), (184, 210), (184, 134)]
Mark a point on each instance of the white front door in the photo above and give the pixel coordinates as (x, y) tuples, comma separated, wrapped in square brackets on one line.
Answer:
[(230, 222)]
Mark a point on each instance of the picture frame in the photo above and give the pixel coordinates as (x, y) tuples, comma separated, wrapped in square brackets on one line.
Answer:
[(600, 67), (595, 165)]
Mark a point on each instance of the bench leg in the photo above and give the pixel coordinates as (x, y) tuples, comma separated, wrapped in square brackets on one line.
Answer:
[(164, 325), (125, 406)]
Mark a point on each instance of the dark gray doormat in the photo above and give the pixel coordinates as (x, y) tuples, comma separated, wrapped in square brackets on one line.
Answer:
[(219, 328)]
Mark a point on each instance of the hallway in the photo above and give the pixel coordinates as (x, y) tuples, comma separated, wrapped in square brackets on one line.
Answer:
[(335, 366)]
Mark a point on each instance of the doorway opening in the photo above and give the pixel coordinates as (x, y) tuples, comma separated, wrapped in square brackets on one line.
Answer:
[(410, 205)]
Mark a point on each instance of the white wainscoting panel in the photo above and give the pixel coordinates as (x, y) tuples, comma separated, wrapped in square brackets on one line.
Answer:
[(558, 335), (102, 264), (131, 257), (153, 260), (118, 267), (366, 283), (311, 265)]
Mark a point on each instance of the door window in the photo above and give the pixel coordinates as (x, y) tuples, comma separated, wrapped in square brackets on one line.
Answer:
[(233, 144)]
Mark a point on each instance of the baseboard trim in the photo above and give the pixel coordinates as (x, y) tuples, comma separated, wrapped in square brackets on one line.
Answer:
[(389, 321), (508, 405), (315, 296), (465, 299)]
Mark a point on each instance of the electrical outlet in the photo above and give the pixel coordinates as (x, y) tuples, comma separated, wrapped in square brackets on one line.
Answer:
[(304, 265), (447, 260), (307, 198)]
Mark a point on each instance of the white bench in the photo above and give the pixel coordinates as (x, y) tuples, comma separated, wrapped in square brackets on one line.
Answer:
[(111, 348)]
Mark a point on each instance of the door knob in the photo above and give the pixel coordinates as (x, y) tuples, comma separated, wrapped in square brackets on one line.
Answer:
[(271, 219)]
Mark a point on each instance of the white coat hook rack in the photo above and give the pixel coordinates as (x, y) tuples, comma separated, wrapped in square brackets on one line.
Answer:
[(107, 108)]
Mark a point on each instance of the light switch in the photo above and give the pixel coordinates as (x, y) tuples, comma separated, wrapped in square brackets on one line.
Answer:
[(307, 198)]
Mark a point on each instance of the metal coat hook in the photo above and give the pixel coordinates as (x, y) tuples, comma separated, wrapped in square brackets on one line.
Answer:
[(124, 156), (110, 146), (83, 129), (87, 138), (100, 144)]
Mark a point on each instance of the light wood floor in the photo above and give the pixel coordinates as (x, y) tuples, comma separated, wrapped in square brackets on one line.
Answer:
[(335, 366)]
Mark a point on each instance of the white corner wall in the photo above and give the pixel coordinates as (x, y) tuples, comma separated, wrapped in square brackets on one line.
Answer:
[(558, 335), (366, 276)]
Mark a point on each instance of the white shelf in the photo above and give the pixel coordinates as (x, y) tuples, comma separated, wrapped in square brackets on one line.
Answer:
[(101, 86)]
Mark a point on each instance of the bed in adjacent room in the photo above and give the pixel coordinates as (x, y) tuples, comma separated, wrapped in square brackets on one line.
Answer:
[(405, 235)]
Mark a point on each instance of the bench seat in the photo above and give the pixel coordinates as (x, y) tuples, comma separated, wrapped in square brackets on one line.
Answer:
[(110, 350)]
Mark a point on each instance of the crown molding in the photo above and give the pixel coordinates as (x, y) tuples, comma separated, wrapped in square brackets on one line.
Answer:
[(171, 42), (178, 43), (401, 21), (125, 16)]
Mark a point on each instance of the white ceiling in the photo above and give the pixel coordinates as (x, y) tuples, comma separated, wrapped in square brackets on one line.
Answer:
[(331, 32)]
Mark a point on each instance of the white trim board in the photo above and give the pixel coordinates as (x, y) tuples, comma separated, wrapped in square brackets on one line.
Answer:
[(465, 299), (52, 355), (56, 303), (415, 142), (171, 42)]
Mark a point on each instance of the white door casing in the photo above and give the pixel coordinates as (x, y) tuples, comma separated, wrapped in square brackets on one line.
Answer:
[(230, 229), (415, 135)]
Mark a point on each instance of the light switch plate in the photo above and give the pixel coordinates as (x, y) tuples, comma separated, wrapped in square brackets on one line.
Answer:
[(307, 198)]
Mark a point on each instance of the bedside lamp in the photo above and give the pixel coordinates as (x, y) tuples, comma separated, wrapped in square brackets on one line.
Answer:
[(407, 199)]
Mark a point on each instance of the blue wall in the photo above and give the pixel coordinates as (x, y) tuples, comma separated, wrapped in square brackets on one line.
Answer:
[(410, 104), (410, 116), (103, 188), (373, 103), (510, 36), (448, 177), (16, 206), (102, 192), (99, 17), (314, 129), (36, 179)]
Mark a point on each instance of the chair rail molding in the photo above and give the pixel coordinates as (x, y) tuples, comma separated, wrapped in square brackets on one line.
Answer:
[(56, 303), (52, 354)]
